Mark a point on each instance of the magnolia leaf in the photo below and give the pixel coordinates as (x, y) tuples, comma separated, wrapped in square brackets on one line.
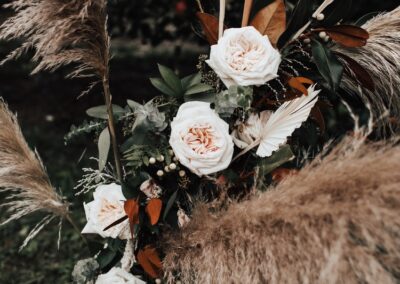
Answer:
[(153, 210), (159, 84), (347, 35), (150, 261), (301, 14), (199, 88), (210, 24), (337, 12), (101, 111), (105, 257), (190, 81), (277, 159), (328, 65), (353, 68), (316, 114), (171, 79), (271, 20), (104, 148), (170, 203), (131, 207)]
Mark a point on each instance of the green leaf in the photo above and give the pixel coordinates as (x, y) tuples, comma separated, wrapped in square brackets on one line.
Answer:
[(301, 15), (171, 79), (278, 158), (190, 81), (101, 111), (327, 63), (104, 148), (204, 97), (170, 203), (159, 84), (105, 257), (199, 88)]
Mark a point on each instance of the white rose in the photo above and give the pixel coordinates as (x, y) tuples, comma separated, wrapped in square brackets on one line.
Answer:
[(118, 276), (244, 57), (200, 139), (106, 208), (248, 132)]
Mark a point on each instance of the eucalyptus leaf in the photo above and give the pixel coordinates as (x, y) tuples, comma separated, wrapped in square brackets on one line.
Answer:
[(278, 158), (101, 111), (235, 97), (170, 79), (327, 63), (104, 148), (199, 88), (159, 84)]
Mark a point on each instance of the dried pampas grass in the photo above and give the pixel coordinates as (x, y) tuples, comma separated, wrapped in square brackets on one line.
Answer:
[(60, 32), (23, 178), (63, 32), (337, 221), (381, 58)]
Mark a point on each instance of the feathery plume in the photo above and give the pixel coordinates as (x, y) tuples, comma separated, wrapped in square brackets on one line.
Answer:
[(23, 177), (381, 58), (63, 32)]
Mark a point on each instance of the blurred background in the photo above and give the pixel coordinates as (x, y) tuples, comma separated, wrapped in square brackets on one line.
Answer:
[(144, 32)]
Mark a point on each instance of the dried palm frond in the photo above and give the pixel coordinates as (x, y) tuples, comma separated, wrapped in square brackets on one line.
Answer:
[(23, 178), (63, 32), (381, 58)]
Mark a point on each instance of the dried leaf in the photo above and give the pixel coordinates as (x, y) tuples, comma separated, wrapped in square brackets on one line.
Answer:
[(297, 83), (209, 23), (347, 35), (153, 210), (353, 68), (131, 207), (271, 20), (150, 261)]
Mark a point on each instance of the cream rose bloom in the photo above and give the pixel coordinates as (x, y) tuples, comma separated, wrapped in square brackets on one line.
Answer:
[(118, 276), (244, 57), (106, 208), (200, 139)]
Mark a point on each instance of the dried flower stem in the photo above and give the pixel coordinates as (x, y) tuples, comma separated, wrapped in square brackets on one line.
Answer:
[(200, 6), (222, 5), (246, 12)]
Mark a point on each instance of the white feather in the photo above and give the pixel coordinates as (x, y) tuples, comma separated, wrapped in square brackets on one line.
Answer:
[(284, 121)]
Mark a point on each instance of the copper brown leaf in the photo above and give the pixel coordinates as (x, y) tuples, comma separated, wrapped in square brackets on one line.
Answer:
[(131, 207), (297, 83), (347, 35), (353, 68), (209, 23), (271, 20), (280, 174), (150, 261), (153, 210)]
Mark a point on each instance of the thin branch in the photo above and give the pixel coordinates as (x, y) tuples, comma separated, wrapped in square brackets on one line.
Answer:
[(222, 5), (246, 12)]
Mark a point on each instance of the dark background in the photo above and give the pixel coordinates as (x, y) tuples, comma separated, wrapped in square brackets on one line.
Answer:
[(145, 33)]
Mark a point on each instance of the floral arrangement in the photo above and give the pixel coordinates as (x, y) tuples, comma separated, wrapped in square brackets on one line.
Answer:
[(241, 123)]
